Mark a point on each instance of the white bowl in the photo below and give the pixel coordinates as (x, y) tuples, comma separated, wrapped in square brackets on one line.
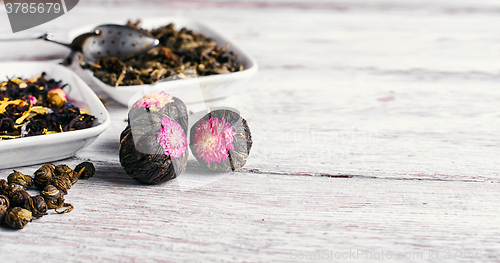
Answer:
[(52, 147), (211, 87)]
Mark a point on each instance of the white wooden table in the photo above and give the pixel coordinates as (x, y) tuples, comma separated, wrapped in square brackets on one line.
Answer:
[(375, 127)]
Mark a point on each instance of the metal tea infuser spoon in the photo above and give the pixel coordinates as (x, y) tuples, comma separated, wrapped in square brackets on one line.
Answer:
[(119, 41)]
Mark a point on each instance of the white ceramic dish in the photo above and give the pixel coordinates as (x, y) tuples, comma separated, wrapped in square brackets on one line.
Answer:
[(52, 147), (211, 87)]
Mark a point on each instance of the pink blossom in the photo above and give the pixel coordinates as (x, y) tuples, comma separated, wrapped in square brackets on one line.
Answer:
[(156, 99), (57, 97), (33, 100), (212, 140), (172, 138)]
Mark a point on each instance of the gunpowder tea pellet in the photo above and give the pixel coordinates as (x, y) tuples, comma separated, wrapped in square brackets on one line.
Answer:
[(37, 206), (85, 170), (18, 217), (18, 207), (221, 140), (19, 178), (60, 182), (43, 174), (3, 185), (4, 201), (4, 206), (11, 189), (53, 197), (20, 198), (64, 170), (153, 147)]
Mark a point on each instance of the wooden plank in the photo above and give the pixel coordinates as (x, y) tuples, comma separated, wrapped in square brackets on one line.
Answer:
[(402, 100), (258, 217)]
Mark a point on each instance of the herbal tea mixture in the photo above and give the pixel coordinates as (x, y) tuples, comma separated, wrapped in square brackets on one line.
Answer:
[(18, 207), (178, 51), (38, 106)]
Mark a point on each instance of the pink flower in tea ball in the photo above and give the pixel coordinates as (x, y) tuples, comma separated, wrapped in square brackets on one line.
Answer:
[(154, 100), (33, 100), (172, 138), (57, 97), (212, 140)]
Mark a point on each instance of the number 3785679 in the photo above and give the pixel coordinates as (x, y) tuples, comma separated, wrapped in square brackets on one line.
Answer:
[(33, 8)]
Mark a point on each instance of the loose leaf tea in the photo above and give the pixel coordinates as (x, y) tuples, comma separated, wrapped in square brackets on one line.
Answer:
[(38, 106), (221, 140), (179, 51), (153, 147)]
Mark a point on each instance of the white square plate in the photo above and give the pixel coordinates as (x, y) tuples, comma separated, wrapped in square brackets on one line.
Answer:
[(52, 147)]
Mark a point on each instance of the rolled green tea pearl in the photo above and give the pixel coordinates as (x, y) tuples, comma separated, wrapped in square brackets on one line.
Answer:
[(4, 201), (18, 217), (3, 185), (64, 170), (4, 206), (37, 206), (21, 179), (11, 189), (43, 174), (3, 212), (53, 197), (85, 170), (20, 198), (60, 182)]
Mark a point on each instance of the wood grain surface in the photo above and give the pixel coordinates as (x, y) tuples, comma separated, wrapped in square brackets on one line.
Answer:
[(397, 98)]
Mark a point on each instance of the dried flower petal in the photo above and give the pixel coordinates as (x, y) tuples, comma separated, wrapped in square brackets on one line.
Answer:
[(212, 140), (154, 101), (33, 100), (172, 138)]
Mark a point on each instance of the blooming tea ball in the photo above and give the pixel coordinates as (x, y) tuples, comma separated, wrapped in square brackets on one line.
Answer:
[(158, 102), (153, 147), (221, 140)]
